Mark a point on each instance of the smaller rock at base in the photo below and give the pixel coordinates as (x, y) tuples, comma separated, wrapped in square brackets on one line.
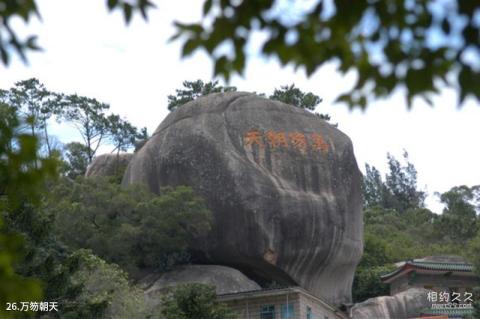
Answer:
[(108, 165), (225, 279), (406, 304)]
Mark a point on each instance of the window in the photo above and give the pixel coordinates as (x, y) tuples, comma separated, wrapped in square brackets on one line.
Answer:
[(309, 313), (267, 312), (287, 311)]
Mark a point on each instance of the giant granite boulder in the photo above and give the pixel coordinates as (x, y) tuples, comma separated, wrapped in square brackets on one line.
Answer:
[(107, 165), (225, 279), (406, 304), (283, 185)]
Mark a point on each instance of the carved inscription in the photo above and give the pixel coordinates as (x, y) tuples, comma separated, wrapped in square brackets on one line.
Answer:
[(296, 140), (319, 143), (276, 139), (253, 137)]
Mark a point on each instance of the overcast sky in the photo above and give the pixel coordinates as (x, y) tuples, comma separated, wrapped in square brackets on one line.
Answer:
[(91, 52)]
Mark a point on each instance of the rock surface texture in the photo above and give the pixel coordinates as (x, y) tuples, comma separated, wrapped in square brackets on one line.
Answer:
[(225, 279), (406, 304), (283, 185), (108, 164)]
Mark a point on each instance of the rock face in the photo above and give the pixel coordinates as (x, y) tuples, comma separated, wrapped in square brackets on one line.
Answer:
[(225, 279), (283, 185), (406, 304), (108, 165)]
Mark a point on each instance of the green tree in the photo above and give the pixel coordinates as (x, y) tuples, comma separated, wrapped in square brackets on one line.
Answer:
[(389, 43), (122, 133), (459, 220), (375, 262), (14, 288), (194, 89), (399, 191), (25, 223), (292, 95), (128, 226), (402, 183), (392, 234), (4, 98), (367, 282), (374, 189), (22, 173), (11, 42), (170, 224), (104, 290), (88, 116), (142, 139), (77, 159), (35, 103), (197, 301)]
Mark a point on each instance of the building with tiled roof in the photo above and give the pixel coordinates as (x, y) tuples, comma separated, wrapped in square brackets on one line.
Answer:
[(444, 272), (447, 312), (450, 280)]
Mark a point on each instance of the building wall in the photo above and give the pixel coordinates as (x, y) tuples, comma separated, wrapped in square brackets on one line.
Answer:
[(250, 308), (434, 282), (452, 281), (319, 310)]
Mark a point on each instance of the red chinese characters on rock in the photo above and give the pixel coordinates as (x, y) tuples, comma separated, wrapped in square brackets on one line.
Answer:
[(276, 139), (296, 140), (253, 137), (319, 143)]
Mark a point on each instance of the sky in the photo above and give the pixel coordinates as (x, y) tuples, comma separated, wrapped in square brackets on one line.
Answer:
[(92, 52)]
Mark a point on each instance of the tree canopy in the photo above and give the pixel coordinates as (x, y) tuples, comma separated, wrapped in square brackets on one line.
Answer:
[(197, 301), (294, 96), (128, 226), (22, 172), (194, 89), (399, 191), (46, 225), (11, 42), (88, 116), (76, 159), (289, 94), (417, 45), (459, 219), (398, 227), (36, 107)]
